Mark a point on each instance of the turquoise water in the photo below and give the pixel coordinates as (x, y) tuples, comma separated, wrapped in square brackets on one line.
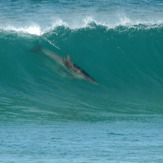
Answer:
[(47, 115)]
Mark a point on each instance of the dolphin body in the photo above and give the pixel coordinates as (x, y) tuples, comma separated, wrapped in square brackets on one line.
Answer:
[(70, 66)]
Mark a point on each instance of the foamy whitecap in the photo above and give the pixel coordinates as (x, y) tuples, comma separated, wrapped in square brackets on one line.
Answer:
[(34, 30), (38, 29)]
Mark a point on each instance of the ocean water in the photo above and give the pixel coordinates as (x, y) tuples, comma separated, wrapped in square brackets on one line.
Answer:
[(49, 116)]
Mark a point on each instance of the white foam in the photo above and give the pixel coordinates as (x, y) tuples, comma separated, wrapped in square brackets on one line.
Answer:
[(59, 22), (33, 29)]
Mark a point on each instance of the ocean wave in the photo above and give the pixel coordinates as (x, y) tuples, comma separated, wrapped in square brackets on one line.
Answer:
[(127, 65)]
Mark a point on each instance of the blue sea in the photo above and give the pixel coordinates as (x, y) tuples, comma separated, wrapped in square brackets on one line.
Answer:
[(50, 116)]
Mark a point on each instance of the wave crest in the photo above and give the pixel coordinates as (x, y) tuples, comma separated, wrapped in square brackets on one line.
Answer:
[(87, 22)]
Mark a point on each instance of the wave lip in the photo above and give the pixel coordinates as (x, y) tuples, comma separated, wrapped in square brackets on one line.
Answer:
[(87, 22)]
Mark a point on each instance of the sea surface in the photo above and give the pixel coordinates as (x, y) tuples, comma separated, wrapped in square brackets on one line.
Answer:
[(48, 115)]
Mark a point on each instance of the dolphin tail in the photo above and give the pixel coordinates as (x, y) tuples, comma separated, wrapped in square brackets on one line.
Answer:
[(53, 56), (37, 49)]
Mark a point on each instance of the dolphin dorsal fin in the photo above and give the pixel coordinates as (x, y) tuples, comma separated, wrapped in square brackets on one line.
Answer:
[(69, 59)]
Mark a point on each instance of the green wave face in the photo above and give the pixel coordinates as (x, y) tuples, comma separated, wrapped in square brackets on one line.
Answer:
[(126, 62)]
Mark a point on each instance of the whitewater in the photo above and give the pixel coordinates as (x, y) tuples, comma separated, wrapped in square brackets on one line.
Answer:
[(49, 115)]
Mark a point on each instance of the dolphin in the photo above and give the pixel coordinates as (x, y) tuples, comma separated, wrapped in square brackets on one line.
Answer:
[(67, 63)]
